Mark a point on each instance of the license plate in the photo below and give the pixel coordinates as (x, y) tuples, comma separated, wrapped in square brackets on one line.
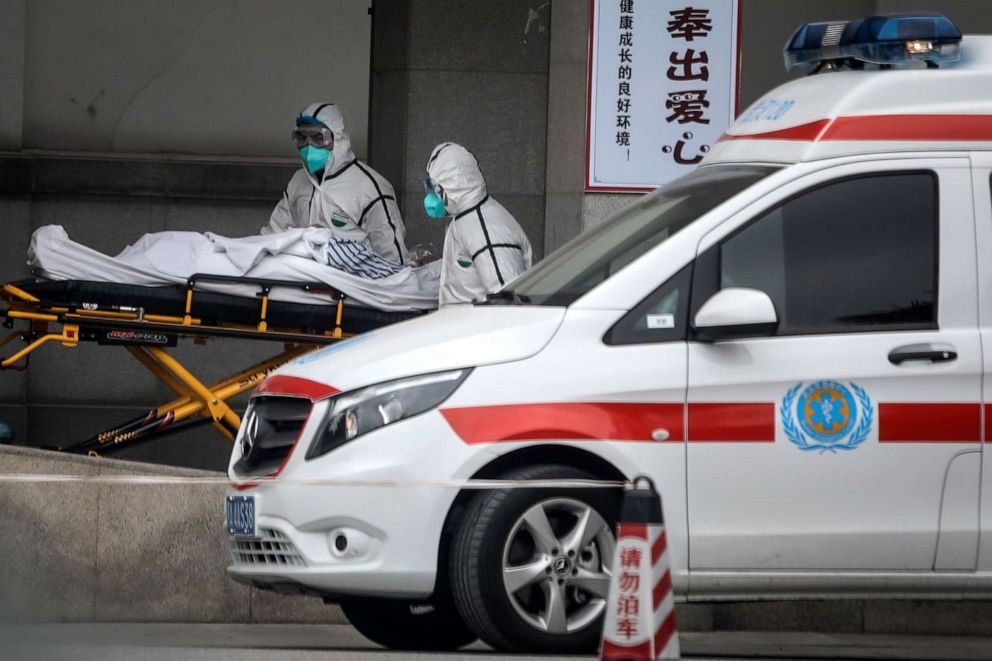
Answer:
[(241, 515)]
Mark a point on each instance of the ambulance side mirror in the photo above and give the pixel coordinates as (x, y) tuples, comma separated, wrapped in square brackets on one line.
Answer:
[(733, 313)]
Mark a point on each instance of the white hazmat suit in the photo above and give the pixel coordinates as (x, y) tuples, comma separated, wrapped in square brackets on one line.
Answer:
[(484, 246), (351, 199)]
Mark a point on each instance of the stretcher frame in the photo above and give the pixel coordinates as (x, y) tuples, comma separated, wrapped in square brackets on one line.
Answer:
[(146, 337)]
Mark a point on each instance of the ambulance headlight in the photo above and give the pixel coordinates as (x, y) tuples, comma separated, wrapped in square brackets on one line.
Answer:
[(361, 411)]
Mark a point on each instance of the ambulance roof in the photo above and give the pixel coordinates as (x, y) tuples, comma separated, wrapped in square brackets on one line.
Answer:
[(844, 113)]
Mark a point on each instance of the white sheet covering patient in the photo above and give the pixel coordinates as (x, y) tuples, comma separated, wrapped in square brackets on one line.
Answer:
[(302, 255)]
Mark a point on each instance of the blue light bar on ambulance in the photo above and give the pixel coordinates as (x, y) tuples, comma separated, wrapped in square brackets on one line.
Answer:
[(883, 40)]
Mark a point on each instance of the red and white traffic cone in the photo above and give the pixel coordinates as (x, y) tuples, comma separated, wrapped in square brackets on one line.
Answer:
[(640, 616)]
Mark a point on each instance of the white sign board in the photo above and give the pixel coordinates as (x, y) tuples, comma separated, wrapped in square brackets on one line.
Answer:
[(662, 88)]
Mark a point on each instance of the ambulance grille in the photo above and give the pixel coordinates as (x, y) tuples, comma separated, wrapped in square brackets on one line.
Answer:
[(269, 548), (270, 429)]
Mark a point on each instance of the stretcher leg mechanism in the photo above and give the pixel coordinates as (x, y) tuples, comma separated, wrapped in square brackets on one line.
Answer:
[(640, 615), (147, 330)]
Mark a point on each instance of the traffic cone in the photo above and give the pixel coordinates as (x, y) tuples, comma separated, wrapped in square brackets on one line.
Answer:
[(640, 615)]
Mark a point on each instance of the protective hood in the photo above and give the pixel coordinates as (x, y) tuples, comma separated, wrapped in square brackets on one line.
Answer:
[(461, 336), (457, 171), (330, 115)]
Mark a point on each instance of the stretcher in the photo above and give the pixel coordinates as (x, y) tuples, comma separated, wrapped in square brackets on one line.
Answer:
[(148, 321)]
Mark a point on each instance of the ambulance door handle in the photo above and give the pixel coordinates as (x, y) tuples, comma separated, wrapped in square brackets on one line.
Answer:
[(934, 353)]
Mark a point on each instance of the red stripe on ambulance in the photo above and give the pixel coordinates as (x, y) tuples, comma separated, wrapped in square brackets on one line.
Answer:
[(567, 420), (294, 386), (871, 128), (929, 423), (803, 132), (708, 422), (732, 422), (988, 422)]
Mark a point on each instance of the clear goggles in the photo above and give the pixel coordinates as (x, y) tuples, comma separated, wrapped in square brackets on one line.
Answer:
[(318, 136), (431, 186)]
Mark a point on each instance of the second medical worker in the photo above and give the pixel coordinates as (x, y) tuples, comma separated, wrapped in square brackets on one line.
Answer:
[(484, 246), (337, 191)]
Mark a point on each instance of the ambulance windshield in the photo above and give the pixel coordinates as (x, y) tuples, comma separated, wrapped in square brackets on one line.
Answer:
[(594, 256)]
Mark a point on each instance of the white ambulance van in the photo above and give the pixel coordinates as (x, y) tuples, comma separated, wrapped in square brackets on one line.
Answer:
[(794, 341)]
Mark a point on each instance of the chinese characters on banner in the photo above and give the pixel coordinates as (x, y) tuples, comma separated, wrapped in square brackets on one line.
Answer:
[(662, 89)]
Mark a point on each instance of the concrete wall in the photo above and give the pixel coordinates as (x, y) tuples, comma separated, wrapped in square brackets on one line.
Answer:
[(484, 84), (88, 552), (187, 76), (475, 73), (12, 73), (767, 25)]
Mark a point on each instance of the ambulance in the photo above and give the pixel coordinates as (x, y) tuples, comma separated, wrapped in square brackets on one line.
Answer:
[(790, 341)]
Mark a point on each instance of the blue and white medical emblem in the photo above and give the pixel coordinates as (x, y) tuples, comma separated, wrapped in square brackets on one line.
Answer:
[(827, 416)]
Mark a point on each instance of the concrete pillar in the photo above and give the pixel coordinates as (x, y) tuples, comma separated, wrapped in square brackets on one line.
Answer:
[(568, 68), (12, 13), (473, 73), (389, 91), (569, 210)]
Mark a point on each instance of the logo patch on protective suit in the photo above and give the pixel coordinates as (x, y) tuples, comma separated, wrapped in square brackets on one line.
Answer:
[(826, 416), (464, 260), (339, 218)]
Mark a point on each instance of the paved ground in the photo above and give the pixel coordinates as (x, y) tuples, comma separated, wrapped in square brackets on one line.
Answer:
[(286, 642)]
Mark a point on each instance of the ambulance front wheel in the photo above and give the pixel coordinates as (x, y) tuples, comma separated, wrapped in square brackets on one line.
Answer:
[(530, 567), (406, 625)]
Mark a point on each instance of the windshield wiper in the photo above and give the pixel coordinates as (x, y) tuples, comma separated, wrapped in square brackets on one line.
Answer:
[(504, 297)]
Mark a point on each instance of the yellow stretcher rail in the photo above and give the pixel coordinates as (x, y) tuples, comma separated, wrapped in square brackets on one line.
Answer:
[(147, 337)]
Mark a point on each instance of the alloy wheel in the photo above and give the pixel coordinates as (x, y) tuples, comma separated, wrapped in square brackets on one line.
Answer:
[(556, 565)]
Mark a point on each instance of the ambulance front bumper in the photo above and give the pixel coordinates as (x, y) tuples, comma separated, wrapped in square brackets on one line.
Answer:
[(373, 541), (370, 526)]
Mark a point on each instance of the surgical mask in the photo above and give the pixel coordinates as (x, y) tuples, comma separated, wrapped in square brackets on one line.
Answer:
[(315, 158), (434, 205)]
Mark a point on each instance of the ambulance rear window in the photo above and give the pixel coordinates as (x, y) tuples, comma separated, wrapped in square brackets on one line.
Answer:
[(594, 256)]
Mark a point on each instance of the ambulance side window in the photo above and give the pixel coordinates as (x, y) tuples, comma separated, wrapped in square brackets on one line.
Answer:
[(661, 317), (857, 254)]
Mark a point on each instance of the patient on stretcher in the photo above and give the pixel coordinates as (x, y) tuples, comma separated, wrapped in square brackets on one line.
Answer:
[(303, 254)]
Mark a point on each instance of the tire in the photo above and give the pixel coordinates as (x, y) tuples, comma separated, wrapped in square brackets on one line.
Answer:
[(524, 591), (407, 625)]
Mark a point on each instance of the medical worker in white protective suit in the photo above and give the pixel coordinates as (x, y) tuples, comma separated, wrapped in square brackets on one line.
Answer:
[(484, 247), (337, 191)]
